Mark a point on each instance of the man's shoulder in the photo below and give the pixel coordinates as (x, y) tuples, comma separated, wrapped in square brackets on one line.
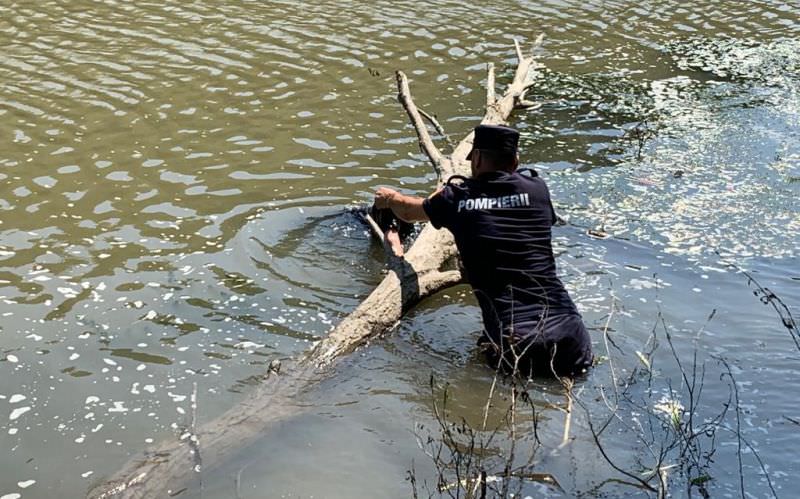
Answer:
[(458, 187), (459, 182)]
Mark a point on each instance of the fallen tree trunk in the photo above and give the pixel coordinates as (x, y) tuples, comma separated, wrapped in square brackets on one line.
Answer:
[(167, 468)]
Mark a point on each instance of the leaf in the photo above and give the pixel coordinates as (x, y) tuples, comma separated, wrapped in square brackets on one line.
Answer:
[(644, 360), (700, 480)]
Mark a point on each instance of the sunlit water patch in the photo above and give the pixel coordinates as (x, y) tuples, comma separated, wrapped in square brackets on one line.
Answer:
[(715, 170)]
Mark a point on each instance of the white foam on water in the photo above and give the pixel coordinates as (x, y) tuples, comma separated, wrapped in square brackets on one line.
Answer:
[(119, 406), (16, 413)]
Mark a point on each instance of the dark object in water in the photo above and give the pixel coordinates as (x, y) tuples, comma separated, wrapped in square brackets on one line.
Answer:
[(386, 220)]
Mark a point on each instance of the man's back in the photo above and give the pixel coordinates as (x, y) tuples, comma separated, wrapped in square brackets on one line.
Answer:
[(501, 223)]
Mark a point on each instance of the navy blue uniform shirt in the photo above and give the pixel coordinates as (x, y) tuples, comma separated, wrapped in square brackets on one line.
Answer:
[(502, 227)]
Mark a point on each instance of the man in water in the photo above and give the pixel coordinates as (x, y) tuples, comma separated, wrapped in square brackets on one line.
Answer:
[(501, 220)]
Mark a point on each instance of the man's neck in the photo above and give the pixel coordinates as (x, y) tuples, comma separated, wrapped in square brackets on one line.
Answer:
[(491, 173)]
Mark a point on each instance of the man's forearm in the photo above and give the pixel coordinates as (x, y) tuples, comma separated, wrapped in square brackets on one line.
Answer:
[(407, 208)]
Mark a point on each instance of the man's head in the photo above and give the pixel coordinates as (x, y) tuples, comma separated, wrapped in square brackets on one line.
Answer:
[(494, 148)]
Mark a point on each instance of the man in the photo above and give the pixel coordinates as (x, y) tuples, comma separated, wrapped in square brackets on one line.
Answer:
[(501, 220)]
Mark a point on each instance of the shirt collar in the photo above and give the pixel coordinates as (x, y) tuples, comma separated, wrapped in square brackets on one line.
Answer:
[(497, 174)]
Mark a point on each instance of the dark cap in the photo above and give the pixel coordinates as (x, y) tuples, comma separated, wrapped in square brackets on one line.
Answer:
[(495, 138)]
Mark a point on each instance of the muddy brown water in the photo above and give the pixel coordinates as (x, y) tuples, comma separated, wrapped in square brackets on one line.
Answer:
[(174, 178)]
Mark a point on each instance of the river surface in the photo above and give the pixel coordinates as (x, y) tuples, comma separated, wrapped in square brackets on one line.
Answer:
[(174, 185)]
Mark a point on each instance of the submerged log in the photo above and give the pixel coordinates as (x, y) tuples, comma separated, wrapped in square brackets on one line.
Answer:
[(427, 267)]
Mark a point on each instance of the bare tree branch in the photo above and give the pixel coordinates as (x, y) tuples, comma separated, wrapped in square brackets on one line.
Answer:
[(491, 98), (425, 141), (375, 229), (520, 57)]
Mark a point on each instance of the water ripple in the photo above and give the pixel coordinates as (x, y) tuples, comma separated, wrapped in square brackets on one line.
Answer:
[(173, 177)]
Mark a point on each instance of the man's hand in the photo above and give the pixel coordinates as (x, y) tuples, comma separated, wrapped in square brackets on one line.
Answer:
[(407, 208), (384, 197)]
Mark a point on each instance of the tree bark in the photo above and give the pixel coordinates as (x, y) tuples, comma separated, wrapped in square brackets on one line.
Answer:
[(426, 268)]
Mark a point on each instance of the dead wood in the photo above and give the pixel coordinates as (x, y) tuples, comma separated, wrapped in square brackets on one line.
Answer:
[(427, 267)]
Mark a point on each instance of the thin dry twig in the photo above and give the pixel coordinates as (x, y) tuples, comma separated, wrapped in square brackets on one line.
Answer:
[(194, 438), (568, 418), (738, 431), (520, 57), (523, 80), (491, 97), (768, 297), (435, 123), (464, 457), (674, 436)]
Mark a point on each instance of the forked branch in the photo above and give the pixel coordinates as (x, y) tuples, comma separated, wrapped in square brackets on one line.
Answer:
[(497, 111)]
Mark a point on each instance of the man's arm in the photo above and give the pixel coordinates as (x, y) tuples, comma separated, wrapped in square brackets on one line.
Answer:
[(407, 208)]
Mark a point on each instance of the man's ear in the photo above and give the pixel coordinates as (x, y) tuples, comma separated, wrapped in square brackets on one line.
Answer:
[(476, 162)]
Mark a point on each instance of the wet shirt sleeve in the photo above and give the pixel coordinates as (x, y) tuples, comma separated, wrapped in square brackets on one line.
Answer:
[(440, 207)]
